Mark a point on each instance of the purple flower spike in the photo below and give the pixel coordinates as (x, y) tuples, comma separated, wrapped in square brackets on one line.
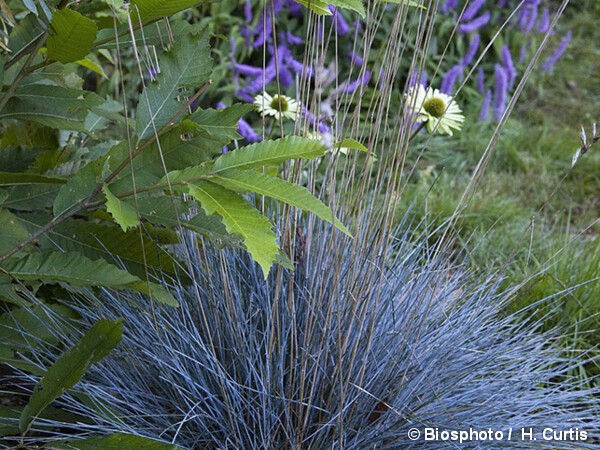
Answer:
[(356, 59), (509, 65), (244, 95), (473, 47), (257, 84), (295, 8), (244, 69), (293, 39), (248, 11), (501, 91), (247, 132), (475, 24), (480, 80), (549, 63), (544, 22), (341, 26), (323, 128), (471, 10), (358, 83), (450, 78), (484, 112), (522, 54), (532, 19), (264, 28), (448, 6), (285, 77), (298, 67)]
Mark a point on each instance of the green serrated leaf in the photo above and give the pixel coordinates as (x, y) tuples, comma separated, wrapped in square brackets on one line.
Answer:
[(151, 34), (77, 270), (352, 5), (93, 66), (12, 179), (83, 183), (139, 254), (220, 123), (116, 441), (174, 153), (98, 342), (71, 36), (25, 32), (31, 197), (269, 153), (23, 328), (53, 106), (123, 213), (67, 267), (12, 232), (156, 9), (412, 3), (239, 217), (351, 143), (297, 196), (168, 211), (156, 291), (187, 64), (317, 6)]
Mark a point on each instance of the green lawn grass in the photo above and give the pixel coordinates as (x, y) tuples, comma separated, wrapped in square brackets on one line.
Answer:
[(531, 215)]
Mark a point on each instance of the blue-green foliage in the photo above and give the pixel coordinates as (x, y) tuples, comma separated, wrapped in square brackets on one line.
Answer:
[(350, 351)]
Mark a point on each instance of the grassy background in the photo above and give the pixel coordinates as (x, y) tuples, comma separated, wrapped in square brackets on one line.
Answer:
[(530, 213)]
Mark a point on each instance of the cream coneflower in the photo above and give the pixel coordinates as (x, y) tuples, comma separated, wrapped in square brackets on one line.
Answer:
[(438, 111), (277, 106)]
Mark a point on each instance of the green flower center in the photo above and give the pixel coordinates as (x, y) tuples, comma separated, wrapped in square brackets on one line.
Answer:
[(435, 106), (279, 104)]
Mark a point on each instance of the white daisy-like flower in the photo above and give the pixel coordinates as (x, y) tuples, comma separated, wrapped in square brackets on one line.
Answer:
[(277, 106), (439, 111)]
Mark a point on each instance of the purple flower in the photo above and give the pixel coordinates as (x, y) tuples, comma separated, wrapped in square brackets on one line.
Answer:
[(448, 6), (341, 26), (472, 9), (248, 11), (356, 58), (361, 81), (260, 81), (475, 24), (528, 15), (415, 79), (508, 65), (549, 63), (500, 91), (450, 78), (522, 53), (292, 39), (247, 132), (295, 8), (298, 67), (315, 122), (244, 69), (264, 27), (473, 47), (286, 79), (480, 80), (484, 112), (544, 22)]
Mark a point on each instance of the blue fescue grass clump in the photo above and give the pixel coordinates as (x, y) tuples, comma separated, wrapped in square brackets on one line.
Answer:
[(351, 350)]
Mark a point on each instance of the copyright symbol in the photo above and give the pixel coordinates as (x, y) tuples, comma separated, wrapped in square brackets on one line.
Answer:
[(413, 434)]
